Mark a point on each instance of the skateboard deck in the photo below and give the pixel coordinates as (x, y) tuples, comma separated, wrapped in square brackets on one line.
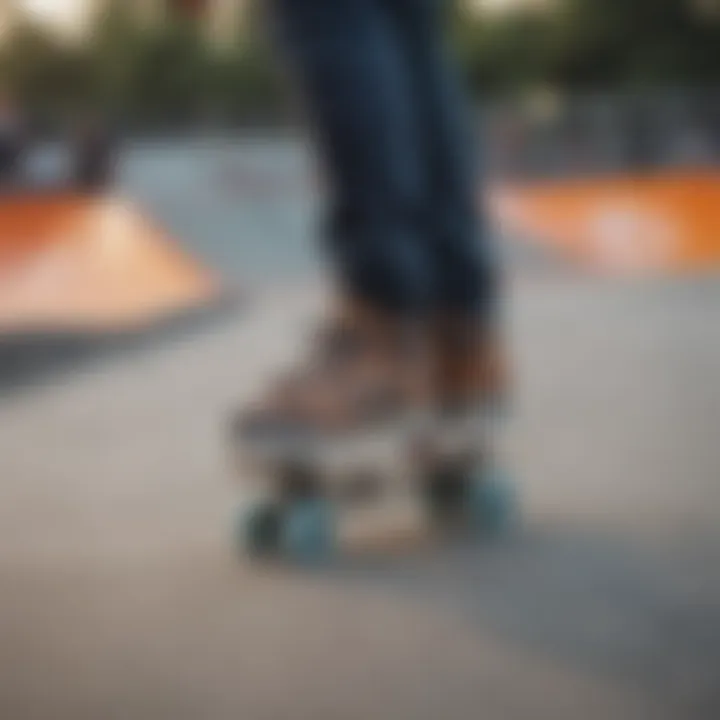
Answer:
[(390, 496)]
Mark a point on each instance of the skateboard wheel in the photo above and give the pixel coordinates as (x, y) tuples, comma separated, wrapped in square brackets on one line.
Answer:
[(258, 530), (492, 503), (308, 531), (480, 499)]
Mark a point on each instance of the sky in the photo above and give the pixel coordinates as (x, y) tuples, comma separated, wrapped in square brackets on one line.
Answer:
[(69, 13), (63, 13)]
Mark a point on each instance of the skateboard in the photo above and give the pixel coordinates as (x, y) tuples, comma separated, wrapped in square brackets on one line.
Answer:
[(305, 505)]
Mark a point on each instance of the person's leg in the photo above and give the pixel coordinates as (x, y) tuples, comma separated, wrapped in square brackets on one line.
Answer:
[(371, 367), (456, 232), (353, 75), (454, 228)]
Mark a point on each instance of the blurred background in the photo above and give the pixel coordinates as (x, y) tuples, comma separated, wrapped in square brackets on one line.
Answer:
[(158, 260)]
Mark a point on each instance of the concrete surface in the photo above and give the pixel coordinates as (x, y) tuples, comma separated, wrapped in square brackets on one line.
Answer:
[(120, 596)]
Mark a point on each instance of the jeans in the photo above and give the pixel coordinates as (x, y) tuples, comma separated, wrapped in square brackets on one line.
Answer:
[(385, 102)]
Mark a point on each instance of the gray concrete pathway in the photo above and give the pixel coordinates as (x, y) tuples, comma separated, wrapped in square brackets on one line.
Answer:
[(120, 596)]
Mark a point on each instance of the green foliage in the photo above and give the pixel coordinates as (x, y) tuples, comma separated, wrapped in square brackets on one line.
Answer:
[(591, 43), (636, 42), (42, 72), (169, 73), (248, 85), (509, 52), (115, 48)]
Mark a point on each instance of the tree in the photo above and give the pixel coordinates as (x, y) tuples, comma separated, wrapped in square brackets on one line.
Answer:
[(46, 75), (115, 50), (634, 42), (171, 75), (510, 52)]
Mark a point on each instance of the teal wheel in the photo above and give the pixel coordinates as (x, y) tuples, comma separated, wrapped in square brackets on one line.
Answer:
[(308, 531), (258, 529), (492, 503)]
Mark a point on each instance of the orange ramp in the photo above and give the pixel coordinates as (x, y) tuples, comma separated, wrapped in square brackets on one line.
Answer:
[(74, 264), (663, 224)]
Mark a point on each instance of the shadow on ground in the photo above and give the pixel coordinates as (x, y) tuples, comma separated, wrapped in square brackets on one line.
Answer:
[(594, 603), (28, 359)]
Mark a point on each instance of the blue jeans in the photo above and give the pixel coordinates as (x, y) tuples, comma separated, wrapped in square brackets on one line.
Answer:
[(394, 133)]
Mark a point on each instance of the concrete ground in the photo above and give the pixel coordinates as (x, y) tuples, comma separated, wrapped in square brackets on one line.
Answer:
[(120, 596)]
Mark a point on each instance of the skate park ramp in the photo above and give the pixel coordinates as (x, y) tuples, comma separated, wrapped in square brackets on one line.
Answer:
[(660, 224), (78, 271)]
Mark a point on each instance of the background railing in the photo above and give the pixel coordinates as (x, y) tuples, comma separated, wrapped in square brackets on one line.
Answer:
[(585, 135)]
